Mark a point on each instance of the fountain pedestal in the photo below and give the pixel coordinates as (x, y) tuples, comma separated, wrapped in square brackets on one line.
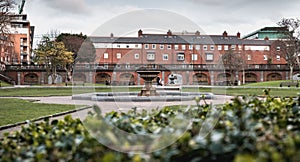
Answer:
[(148, 89)]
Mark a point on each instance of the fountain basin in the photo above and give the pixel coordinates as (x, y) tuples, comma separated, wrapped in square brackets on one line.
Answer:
[(133, 96)]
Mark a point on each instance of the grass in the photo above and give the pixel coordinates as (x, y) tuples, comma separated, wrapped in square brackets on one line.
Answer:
[(267, 84), (18, 110), (4, 84)]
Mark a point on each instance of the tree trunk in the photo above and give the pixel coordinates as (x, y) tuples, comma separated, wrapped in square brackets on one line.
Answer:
[(291, 72)]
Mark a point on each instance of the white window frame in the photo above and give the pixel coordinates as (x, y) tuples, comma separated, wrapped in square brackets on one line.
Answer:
[(198, 47), (265, 57), (146, 46), (153, 46), (151, 56), (176, 46), (209, 56), (249, 57), (161, 46), (169, 46), (212, 47), (233, 47), (194, 57), (180, 56), (278, 57), (119, 55), (165, 57), (190, 47), (136, 56), (220, 47), (226, 48), (105, 55), (205, 47), (183, 47)]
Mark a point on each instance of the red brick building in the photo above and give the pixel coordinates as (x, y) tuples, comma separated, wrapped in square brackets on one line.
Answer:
[(193, 58)]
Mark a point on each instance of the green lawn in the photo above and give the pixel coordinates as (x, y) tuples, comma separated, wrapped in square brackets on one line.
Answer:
[(17, 110), (267, 84)]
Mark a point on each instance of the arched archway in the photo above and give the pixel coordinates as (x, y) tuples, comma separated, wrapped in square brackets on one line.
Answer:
[(79, 77), (250, 78), (102, 78), (126, 79), (223, 79), (200, 79), (31, 78), (274, 76)]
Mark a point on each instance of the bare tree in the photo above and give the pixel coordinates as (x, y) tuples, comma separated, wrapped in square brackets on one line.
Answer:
[(5, 7), (289, 45), (232, 62)]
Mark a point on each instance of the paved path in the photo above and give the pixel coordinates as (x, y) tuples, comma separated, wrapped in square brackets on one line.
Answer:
[(107, 106)]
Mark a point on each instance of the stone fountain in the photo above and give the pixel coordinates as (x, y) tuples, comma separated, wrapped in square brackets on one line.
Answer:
[(148, 76)]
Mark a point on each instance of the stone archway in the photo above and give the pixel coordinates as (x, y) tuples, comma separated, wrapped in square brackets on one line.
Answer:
[(250, 78), (126, 79), (200, 79), (31, 78), (223, 79), (274, 76), (102, 78)]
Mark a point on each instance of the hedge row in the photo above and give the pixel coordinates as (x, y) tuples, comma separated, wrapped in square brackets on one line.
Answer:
[(246, 129)]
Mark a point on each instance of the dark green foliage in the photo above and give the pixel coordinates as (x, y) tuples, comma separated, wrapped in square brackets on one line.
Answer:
[(246, 129)]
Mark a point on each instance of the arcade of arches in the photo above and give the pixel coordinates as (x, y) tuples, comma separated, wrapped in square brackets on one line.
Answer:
[(131, 78)]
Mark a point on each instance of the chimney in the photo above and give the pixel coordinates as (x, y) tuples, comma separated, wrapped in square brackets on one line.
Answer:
[(197, 33), (169, 33), (225, 34), (140, 33), (111, 35), (238, 35)]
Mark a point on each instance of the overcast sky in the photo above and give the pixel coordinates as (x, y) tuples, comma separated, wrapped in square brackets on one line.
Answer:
[(212, 16)]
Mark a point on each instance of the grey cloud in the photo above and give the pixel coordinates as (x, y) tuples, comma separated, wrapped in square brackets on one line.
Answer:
[(68, 6)]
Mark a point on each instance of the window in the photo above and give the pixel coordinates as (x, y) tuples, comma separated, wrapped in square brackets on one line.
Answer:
[(278, 57), (205, 47), (105, 55), (183, 47), (278, 48), (190, 47), (127, 46), (150, 56), (136, 56), (118, 46), (212, 47), (265, 57), (226, 47), (176, 47), (209, 56), (119, 55), (194, 57), (197, 47), (180, 56), (146, 46), (161, 46), (240, 47), (249, 57), (153, 46), (233, 47), (169, 46), (220, 47), (165, 56)]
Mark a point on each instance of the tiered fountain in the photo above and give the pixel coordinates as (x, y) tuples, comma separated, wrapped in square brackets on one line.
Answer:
[(148, 76)]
